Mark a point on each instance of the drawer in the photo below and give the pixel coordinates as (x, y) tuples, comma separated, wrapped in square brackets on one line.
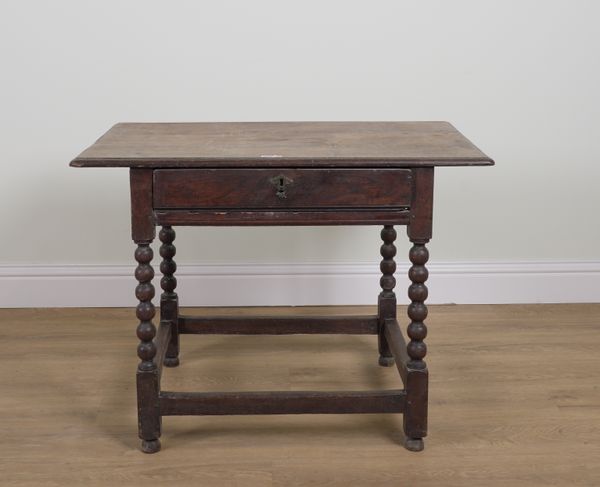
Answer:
[(282, 188)]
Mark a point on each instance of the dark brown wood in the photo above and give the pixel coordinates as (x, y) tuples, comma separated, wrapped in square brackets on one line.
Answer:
[(148, 380), (282, 188), (282, 144), (142, 216), (417, 376), (397, 344), (161, 341), (415, 417), (417, 310), (282, 173), (277, 325), (169, 302), (288, 402), (421, 212), (386, 302), (281, 217)]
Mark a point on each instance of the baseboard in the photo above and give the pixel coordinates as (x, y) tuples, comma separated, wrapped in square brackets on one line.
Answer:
[(303, 284)]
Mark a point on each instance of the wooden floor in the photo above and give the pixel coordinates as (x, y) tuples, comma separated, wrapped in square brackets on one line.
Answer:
[(514, 400)]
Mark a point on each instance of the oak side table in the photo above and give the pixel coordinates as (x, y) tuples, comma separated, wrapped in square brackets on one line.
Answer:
[(281, 173)]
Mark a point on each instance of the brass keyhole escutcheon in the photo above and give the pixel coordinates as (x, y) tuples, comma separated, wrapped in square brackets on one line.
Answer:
[(281, 182)]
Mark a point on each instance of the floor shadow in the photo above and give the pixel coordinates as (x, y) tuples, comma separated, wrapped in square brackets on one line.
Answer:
[(373, 377)]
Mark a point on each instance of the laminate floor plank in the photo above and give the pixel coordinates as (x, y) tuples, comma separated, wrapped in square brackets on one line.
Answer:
[(514, 399)]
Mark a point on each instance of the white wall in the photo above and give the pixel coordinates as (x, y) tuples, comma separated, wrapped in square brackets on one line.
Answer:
[(520, 78)]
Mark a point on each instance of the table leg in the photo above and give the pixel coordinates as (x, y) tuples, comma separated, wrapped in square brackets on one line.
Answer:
[(386, 303), (169, 307), (149, 419), (415, 416)]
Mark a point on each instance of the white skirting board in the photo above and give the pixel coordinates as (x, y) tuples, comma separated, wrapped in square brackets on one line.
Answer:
[(302, 284)]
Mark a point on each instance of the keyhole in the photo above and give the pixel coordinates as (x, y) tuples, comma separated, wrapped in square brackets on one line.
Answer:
[(280, 182), (281, 188)]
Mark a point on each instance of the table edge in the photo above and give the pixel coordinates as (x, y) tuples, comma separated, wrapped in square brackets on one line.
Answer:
[(253, 162)]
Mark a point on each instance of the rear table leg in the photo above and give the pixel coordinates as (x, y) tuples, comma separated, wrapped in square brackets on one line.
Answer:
[(169, 305), (386, 304)]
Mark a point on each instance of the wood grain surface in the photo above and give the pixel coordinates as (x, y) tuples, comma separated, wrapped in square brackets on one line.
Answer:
[(514, 400), (282, 144)]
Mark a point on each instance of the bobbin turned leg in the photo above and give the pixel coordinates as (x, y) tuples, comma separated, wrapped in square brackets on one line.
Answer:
[(386, 304), (415, 416), (149, 419), (416, 384), (169, 307)]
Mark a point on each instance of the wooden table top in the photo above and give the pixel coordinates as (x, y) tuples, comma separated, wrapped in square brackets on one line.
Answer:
[(282, 144)]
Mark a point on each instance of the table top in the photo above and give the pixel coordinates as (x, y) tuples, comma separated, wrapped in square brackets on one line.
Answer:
[(282, 144)]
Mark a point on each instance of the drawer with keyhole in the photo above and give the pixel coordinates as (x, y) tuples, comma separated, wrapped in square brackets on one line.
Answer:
[(282, 188)]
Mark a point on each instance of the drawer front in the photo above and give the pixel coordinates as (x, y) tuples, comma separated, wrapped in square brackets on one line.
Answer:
[(282, 188)]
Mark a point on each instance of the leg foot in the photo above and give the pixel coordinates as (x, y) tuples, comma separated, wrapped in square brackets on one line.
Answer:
[(414, 444), (171, 361), (150, 446), (386, 361)]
